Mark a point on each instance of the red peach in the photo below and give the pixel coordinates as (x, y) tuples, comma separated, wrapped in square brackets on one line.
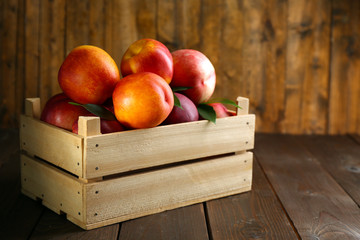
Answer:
[(142, 100), (193, 69), (221, 111), (88, 75), (60, 113), (188, 113), (148, 55)]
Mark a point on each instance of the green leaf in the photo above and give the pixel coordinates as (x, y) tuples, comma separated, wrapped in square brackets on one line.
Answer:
[(179, 89), (207, 112), (98, 110), (224, 101), (177, 102)]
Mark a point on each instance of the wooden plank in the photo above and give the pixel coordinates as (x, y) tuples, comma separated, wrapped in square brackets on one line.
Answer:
[(145, 147), (230, 49), (32, 108), (8, 50), (356, 138), (52, 42), (53, 226), (253, 215), (9, 185), (97, 23), (344, 113), (340, 156), (306, 87), (137, 20), (211, 14), (22, 219), (273, 40), (252, 72), (146, 193), (77, 24), (315, 202), (47, 141), (188, 18), (20, 64), (89, 126), (182, 223), (9, 144), (32, 59), (58, 191), (9, 173), (166, 14), (145, 12), (120, 29)]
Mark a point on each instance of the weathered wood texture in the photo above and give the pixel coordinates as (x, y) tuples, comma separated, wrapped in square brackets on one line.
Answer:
[(253, 215), (344, 155), (307, 190), (181, 223), (296, 60), (53, 226)]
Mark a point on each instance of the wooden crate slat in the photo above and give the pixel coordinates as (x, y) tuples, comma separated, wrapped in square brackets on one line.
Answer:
[(152, 192), (130, 150), (59, 191), (51, 143)]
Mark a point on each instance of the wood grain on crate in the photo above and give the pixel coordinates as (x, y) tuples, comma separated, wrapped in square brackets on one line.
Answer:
[(166, 144), (92, 154), (56, 145), (58, 191), (119, 199)]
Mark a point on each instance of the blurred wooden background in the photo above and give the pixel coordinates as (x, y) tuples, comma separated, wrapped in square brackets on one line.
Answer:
[(297, 60)]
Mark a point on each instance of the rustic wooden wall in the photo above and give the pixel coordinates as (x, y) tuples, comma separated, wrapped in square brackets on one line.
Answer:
[(297, 60)]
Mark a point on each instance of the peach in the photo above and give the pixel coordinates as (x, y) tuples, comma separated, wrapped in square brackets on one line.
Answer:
[(221, 111), (142, 100), (188, 113), (193, 69), (88, 75), (60, 113), (148, 55)]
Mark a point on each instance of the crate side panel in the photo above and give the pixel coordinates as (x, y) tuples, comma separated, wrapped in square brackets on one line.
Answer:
[(113, 153), (52, 144), (147, 193), (58, 191)]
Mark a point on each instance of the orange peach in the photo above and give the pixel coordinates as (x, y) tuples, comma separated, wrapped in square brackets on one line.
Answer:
[(88, 75), (142, 100), (193, 69), (148, 55)]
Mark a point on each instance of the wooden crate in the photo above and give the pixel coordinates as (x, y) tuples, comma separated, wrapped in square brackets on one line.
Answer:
[(100, 179)]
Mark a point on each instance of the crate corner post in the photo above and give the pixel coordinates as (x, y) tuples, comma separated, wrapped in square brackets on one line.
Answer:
[(33, 107)]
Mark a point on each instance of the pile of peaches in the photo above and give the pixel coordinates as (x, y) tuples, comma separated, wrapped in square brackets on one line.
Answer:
[(157, 87)]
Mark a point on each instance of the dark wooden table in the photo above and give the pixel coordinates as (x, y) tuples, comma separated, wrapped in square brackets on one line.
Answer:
[(304, 187)]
